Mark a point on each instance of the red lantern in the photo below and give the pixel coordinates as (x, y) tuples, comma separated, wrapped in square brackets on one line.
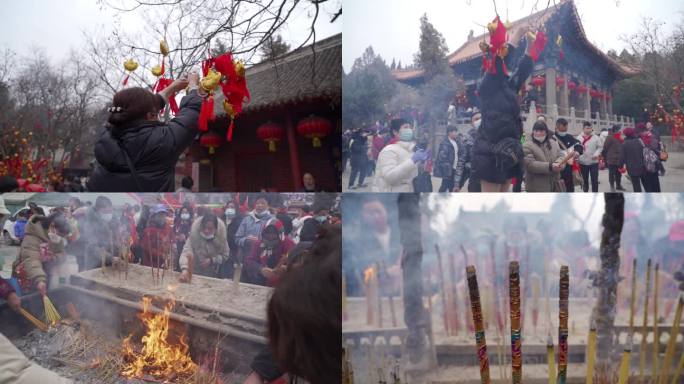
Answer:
[(315, 128), (270, 133), (559, 81), (594, 94), (582, 89), (212, 141), (572, 85), (538, 81)]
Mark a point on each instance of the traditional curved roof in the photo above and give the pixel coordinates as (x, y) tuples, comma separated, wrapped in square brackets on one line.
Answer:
[(305, 74), (471, 50)]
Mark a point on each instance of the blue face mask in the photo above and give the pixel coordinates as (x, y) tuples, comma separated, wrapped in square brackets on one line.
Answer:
[(321, 218), (406, 135)]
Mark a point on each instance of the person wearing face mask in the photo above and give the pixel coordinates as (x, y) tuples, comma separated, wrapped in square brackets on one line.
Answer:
[(358, 158), (447, 158), (590, 156), (612, 152), (232, 218), (98, 233), (157, 238), (137, 152), (268, 259), (567, 142), (398, 163), (252, 225), (181, 229), (311, 226), (41, 251), (207, 247), (542, 159), (298, 222)]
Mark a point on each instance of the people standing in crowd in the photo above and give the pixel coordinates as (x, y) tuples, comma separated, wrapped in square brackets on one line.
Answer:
[(447, 160), (304, 213), (498, 155), (651, 139), (41, 251), (567, 142), (465, 167), (232, 218), (346, 148), (612, 152), (98, 231), (359, 158), (633, 158), (181, 229), (157, 240), (312, 225), (589, 158), (206, 248), (398, 163), (20, 225), (542, 160), (252, 225), (268, 259)]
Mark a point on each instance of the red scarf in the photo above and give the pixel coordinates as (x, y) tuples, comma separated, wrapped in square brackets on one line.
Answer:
[(619, 137), (585, 139)]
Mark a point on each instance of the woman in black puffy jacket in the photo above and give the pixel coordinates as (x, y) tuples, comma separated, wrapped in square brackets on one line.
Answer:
[(137, 152)]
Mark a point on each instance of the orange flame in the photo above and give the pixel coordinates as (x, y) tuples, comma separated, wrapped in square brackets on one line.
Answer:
[(158, 357), (368, 274)]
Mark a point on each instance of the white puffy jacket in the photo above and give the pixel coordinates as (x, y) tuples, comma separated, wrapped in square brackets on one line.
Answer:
[(394, 171)]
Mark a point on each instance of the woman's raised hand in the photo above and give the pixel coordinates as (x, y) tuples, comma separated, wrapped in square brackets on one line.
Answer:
[(179, 84), (193, 80)]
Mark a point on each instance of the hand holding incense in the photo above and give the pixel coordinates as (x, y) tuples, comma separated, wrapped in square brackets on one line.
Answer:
[(480, 340)]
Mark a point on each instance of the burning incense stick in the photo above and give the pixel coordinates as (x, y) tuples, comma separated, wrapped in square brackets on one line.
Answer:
[(591, 352), (669, 352), (551, 359), (37, 323), (237, 271), (516, 347), (644, 331), (624, 364), (51, 314), (479, 329), (455, 324), (563, 324), (347, 372), (632, 304), (371, 282), (442, 288), (656, 337)]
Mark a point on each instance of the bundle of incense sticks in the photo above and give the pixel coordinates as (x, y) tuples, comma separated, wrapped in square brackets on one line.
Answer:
[(669, 352), (632, 303), (624, 364), (656, 336), (442, 288), (551, 359), (480, 340), (591, 353), (371, 281), (516, 347), (563, 324), (51, 314), (39, 324), (642, 348)]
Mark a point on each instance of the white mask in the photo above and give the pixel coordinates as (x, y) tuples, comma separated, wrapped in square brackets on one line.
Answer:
[(55, 238), (539, 138), (207, 237), (561, 134), (185, 216), (477, 123), (106, 216)]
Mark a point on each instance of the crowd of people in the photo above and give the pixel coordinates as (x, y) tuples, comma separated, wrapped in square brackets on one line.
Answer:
[(295, 249), (494, 154)]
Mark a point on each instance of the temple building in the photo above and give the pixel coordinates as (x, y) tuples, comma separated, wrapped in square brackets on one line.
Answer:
[(572, 79), (291, 126)]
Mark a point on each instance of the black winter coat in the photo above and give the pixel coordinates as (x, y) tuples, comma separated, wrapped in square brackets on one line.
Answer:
[(500, 119), (444, 164), (633, 156), (153, 148)]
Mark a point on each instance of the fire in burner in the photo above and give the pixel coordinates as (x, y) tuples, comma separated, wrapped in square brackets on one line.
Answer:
[(159, 357)]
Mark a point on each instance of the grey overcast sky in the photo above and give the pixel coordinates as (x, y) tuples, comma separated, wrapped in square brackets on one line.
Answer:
[(57, 25), (392, 27)]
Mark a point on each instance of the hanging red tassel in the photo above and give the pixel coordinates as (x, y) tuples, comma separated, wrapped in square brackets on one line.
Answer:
[(206, 113), (230, 130), (210, 107), (538, 46), (125, 81)]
